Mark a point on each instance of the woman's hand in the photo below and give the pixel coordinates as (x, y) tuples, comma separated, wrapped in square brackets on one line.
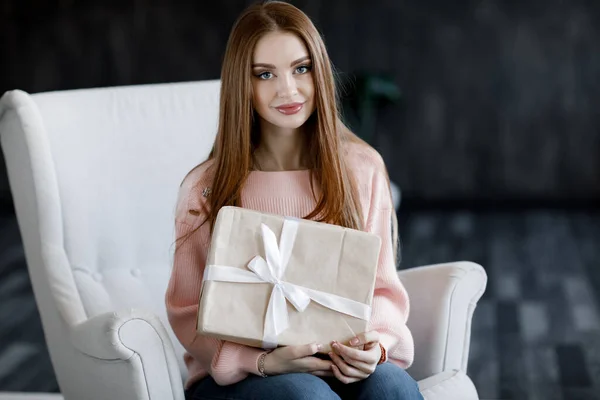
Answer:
[(296, 359), (352, 364)]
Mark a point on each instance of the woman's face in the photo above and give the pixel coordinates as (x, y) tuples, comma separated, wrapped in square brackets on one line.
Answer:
[(282, 81)]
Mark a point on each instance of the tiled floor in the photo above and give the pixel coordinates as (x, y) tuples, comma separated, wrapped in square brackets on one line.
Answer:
[(24, 360), (536, 331)]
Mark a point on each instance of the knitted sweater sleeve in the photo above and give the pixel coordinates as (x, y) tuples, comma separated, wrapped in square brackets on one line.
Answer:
[(390, 301), (225, 361)]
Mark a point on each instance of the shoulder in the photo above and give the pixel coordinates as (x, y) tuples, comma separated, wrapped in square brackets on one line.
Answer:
[(198, 176), (191, 199), (371, 176), (364, 161)]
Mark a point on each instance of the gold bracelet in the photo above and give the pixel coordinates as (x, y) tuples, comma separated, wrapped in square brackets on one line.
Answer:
[(383, 354), (261, 364)]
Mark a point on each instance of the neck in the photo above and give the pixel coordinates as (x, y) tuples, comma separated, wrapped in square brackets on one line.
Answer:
[(280, 149)]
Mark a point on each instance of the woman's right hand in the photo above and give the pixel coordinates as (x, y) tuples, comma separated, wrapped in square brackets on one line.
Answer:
[(288, 359)]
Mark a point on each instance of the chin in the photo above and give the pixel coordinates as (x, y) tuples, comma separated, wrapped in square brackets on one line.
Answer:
[(289, 122)]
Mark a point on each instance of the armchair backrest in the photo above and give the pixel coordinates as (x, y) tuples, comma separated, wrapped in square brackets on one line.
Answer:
[(94, 175)]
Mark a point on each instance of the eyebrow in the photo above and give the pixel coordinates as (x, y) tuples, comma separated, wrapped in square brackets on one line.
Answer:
[(273, 67)]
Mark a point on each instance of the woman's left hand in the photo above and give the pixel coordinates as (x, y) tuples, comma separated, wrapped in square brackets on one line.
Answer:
[(352, 364)]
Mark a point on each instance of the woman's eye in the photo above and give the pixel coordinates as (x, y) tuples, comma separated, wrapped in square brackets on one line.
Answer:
[(303, 69), (265, 75)]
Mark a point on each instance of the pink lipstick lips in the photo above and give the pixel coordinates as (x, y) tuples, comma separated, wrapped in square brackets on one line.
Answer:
[(289, 109)]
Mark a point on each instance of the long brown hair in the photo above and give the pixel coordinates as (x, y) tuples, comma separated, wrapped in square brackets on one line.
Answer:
[(238, 135)]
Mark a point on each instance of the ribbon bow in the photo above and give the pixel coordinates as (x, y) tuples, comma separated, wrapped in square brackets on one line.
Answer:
[(271, 269)]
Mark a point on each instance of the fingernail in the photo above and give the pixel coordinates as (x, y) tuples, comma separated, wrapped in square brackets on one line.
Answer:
[(330, 354), (335, 345), (354, 341)]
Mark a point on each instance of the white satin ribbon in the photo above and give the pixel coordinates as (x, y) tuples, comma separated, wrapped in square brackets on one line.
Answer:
[(272, 270)]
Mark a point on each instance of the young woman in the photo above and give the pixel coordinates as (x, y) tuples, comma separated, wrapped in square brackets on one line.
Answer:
[(281, 148)]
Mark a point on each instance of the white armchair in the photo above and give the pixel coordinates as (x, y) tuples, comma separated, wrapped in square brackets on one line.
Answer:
[(94, 176)]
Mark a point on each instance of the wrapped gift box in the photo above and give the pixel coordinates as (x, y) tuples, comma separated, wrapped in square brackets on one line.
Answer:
[(262, 266)]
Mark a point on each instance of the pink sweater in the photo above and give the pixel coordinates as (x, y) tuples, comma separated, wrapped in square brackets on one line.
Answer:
[(286, 193)]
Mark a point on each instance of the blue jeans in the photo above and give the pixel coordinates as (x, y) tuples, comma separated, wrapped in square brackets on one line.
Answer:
[(388, 382)]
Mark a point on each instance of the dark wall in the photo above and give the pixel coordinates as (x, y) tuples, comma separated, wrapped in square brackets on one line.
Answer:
[(501, 99)]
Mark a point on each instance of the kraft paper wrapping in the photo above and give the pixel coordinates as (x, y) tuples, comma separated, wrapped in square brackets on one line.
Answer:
[(324, 257)]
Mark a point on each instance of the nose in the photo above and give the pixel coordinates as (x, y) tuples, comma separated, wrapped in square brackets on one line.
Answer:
[(287, 86)]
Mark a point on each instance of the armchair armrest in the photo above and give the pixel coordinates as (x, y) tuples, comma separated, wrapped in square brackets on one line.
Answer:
[(139, 337), (448, 385), (442, 300)]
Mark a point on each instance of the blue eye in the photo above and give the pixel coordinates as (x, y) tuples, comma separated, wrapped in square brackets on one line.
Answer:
[(303, 69), (265, 75)]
